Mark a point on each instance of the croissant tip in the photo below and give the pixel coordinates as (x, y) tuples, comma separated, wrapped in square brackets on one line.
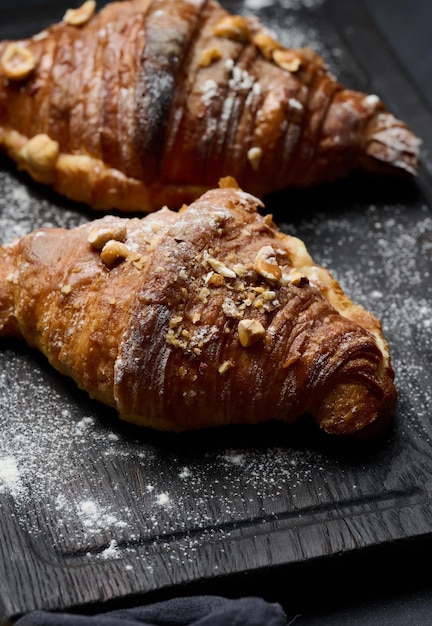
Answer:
[(392, 146), (351, 410)]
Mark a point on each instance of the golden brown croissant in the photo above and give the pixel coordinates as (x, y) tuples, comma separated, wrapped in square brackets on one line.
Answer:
[(150, 102), (203, 317)]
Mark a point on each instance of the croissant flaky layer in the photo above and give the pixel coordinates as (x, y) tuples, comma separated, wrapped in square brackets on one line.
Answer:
[(203, 317), (150, 102)]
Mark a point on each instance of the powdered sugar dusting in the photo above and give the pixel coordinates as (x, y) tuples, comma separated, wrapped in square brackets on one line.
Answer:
[(17, 211), (389, 249), (255, 5), (293, 22), (103, 493), (86, 487), (82, 484), (97, 489), (10, 479)]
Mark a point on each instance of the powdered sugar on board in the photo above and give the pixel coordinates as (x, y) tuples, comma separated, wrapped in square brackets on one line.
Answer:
[(93, 480), (383, 259), (295, 5), (23, 208), (296, 23), (61, 436), (85, 485)]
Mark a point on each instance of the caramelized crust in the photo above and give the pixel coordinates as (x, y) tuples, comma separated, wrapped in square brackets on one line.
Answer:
[(150, 102), (204, 317)]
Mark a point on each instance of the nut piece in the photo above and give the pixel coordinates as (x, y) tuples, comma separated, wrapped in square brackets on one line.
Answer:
[(216, 280), (80, 16), (113, 251), (295, 277), (287, 60), (17, 62), (266, 44), (234, 27), (40, 155), (249, 332), (209, 56), (228, 182), (266, 264), (254, 156), (224, 367), (100, 235), (221, 268)]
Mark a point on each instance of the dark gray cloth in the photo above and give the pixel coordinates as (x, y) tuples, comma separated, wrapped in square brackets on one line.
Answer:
[(187, 611)]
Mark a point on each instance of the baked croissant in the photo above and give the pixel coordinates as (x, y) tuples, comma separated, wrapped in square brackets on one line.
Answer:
[(150, 102), (203, 317)]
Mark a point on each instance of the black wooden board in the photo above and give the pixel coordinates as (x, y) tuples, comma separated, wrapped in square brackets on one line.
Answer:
[(94, 511)]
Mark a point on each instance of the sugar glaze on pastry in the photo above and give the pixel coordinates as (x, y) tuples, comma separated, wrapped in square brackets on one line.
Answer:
[(204, 317), (150, 102)]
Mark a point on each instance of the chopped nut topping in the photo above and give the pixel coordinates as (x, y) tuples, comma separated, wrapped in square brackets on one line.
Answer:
[(80, 16), (138, 261), (268, 295), (113, 251), (228, 182), (295, 277), (172, 340), (287, 60), (100, 235), (216, 280), (175, 321), (266, 44), (266, 299), (17, 62), (40, 154), (183, 275), (371, 100), (204, 292), (225, 366), (249, 332), (254, 156), (232, 309), (221, 268), (209, 56), (240, 269), (66, 289), (266, 264), (182, 371), (232, 26)]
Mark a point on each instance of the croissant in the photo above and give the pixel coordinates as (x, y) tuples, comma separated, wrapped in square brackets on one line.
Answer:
[(203, 317), (150, 102)]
